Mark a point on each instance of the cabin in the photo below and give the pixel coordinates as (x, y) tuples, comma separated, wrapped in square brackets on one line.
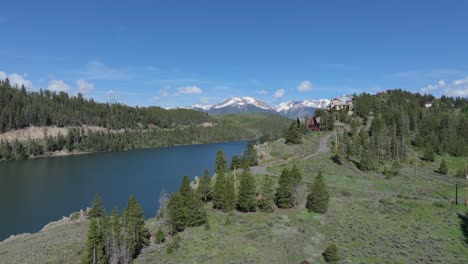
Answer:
[(341, 103), (428, 104), (314, 124)]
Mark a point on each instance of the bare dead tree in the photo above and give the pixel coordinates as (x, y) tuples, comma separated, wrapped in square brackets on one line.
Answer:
[(162, 210)]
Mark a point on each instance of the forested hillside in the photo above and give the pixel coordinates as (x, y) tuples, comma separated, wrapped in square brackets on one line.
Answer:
[(20, 108), (384, 127), (125, 127)]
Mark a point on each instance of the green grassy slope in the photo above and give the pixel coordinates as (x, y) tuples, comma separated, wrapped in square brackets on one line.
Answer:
[(256, 122), (372, 219)]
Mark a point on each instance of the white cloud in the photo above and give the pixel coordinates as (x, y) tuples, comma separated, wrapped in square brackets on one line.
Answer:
[(84, 87), (164, 91), (155, 98), (262, 91), (96, 70), (304, 86), (454, 88), (204, 100), (279, 93), (16, 79), (58, 86), (189, 90)]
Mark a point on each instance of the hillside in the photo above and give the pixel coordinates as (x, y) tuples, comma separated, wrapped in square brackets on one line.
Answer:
[(258, 123), (372, 219), (44, 123)]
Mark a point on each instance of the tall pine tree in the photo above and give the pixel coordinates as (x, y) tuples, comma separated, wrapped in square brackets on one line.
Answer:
[(204, 189), (134, 223), (94, 248), (283, 192), (246, 201), (317, 200)]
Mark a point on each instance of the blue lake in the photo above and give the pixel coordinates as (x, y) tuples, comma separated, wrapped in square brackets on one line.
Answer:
[(36, 192)]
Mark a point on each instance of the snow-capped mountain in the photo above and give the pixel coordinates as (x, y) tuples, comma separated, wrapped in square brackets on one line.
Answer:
[(293, 109), (236, 105), (200, 107)]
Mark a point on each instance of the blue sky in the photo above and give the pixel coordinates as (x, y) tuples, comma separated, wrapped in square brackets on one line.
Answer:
[(178, 53)]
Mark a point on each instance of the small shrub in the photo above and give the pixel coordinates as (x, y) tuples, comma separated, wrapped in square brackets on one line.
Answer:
[(331, 254), (75, 216), (460, 173), (443, 169), (207, 225), (346, 193), (174, 244), (160, 236), (438, 204), (336, 159)]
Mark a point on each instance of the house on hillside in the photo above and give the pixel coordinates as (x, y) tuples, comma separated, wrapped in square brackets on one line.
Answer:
[(428, 104), (341, 103), (314, 124)]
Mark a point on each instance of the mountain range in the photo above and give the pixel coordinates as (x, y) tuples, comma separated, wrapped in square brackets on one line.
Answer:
[(240, 105)]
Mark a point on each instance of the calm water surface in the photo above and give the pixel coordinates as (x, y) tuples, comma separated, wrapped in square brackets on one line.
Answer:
[(36, 192)]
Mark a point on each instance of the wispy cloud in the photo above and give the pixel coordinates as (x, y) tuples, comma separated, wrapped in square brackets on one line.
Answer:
[(96, 70), (155, 99), (204, 100), (84, 87), (454, 88), (278, 94), (304, 86), (16, 79), (58, 86), (189, 90), (256, 83), (262, 91)]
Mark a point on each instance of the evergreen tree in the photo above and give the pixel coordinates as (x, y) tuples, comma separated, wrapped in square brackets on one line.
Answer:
[(443, 168), (296, 178), (204, 188), (293, 135), (94, 248), (185, 208), (219, 189), (134, 223), (246, 198), (429, 153), (229, 196), (220, 163), (267, 195), (97, 209), (331, 254), (283, 192), (235, 162), (317, 200), (176, 213)]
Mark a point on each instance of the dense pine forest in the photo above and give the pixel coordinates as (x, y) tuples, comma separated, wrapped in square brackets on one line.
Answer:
[(21, 108), (125, 127), (384, 127)]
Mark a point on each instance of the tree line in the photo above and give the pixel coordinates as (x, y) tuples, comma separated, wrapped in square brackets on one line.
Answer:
[(98, 141), (384, 126), (20, 108)]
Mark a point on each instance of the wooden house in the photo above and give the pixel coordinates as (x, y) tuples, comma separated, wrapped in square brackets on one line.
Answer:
[(313, 124)]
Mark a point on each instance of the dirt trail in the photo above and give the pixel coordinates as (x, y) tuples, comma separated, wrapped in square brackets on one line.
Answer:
[(323, 148)]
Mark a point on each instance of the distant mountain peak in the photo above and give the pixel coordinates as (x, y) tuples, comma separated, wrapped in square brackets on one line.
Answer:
[(246, 104)]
